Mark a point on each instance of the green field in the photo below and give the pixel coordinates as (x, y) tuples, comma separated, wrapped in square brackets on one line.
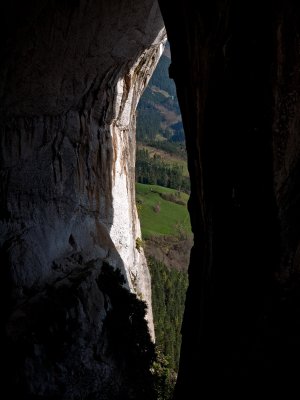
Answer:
[(160, 216)]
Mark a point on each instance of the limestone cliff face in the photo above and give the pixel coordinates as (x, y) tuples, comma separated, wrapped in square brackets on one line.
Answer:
[(125, 227), (71, 77)]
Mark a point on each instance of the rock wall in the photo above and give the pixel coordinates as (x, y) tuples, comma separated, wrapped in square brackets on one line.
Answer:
[(235, 65), (71, 76), (125, 228)]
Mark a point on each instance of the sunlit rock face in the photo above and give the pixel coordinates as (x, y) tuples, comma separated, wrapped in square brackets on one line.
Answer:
[(236, 69), (71, 75), (125, 227)]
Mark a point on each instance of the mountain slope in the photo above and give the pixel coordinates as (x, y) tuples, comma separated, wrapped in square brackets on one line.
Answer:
[(159, 116)]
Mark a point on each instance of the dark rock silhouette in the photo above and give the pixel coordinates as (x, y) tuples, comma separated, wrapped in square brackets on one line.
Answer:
[(234, 65)]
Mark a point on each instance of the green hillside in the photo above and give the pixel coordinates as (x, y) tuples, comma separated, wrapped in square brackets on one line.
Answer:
[(168, 296), (158, 113), (162, 211), (169, 158)]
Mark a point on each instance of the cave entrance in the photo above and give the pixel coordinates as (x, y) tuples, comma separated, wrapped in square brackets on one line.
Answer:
[(162, 191)]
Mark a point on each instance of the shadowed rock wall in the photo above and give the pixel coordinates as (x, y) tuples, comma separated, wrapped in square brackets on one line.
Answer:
[(236, 69), (71, 75)]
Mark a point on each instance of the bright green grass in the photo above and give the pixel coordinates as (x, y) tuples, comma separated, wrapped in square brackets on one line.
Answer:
[(170, 216)]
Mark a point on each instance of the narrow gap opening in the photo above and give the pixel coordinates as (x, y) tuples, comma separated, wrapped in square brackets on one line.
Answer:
[(162, 191)]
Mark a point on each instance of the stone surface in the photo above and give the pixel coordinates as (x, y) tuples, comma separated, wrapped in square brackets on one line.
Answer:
[(235, 65), (71, 75)]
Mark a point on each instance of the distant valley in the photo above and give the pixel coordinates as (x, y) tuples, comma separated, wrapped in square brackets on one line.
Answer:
[(162, 192)]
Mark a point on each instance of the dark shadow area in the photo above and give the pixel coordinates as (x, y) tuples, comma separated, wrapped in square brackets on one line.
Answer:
[(129, 340), (232, 66)]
